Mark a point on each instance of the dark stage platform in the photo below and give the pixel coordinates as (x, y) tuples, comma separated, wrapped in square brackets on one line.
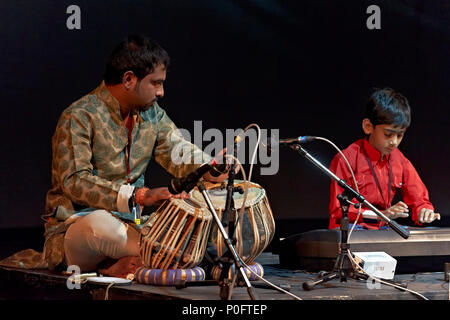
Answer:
[(18, 284)]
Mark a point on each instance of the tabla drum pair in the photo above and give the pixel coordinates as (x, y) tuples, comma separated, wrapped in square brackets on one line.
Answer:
[(182, 231)]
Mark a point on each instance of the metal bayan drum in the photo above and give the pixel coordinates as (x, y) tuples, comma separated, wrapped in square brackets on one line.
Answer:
[(175, 236), (256, 231)]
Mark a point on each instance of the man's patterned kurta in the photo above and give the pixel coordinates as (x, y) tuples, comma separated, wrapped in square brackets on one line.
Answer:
[(89, 151)]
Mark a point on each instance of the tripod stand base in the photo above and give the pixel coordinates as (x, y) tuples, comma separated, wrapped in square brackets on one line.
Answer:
[(325, 277), (342, 269)]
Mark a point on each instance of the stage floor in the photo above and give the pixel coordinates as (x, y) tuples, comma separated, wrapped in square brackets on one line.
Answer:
[(45, 285)]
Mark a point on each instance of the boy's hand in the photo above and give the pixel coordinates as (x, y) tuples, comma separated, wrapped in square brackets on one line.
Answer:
[(398, 210), (428, 215)]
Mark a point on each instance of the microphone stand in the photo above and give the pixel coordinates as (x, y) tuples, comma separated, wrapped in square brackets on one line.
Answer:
[(342, 266), (227, 224), (237, 260)]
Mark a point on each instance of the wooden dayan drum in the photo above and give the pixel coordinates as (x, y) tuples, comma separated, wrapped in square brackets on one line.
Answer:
[(175, 236), (257, 229)]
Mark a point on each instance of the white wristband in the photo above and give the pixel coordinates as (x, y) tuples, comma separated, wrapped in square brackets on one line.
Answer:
[(125, 193)]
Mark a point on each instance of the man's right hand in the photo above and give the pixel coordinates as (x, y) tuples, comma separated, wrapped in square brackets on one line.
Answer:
[(156, 196), (398, 210)]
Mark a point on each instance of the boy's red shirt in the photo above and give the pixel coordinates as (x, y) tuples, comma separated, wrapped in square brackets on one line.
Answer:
[(404, 177)]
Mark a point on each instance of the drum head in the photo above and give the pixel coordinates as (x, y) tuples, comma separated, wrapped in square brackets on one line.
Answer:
[(218, 196)]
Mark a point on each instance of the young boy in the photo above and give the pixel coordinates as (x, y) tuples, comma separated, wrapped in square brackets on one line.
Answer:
[(380, 168)]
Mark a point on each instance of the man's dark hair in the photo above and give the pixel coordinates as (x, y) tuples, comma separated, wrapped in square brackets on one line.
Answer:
[(135, 53), (385, 106)]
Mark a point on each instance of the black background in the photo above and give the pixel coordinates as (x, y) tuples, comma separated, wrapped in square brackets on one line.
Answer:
[(304, 67)]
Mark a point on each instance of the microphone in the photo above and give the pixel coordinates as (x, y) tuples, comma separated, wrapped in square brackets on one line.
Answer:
[(187, 183), (301, 139)]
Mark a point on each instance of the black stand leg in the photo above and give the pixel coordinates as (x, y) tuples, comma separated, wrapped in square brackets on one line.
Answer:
[(343, 266), (226, 260)]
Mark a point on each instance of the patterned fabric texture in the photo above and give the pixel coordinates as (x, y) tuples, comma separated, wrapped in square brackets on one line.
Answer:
[(89, 148)]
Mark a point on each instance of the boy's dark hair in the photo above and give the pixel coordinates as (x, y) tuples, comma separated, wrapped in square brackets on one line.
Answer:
[(385, 106), (135, 53)]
